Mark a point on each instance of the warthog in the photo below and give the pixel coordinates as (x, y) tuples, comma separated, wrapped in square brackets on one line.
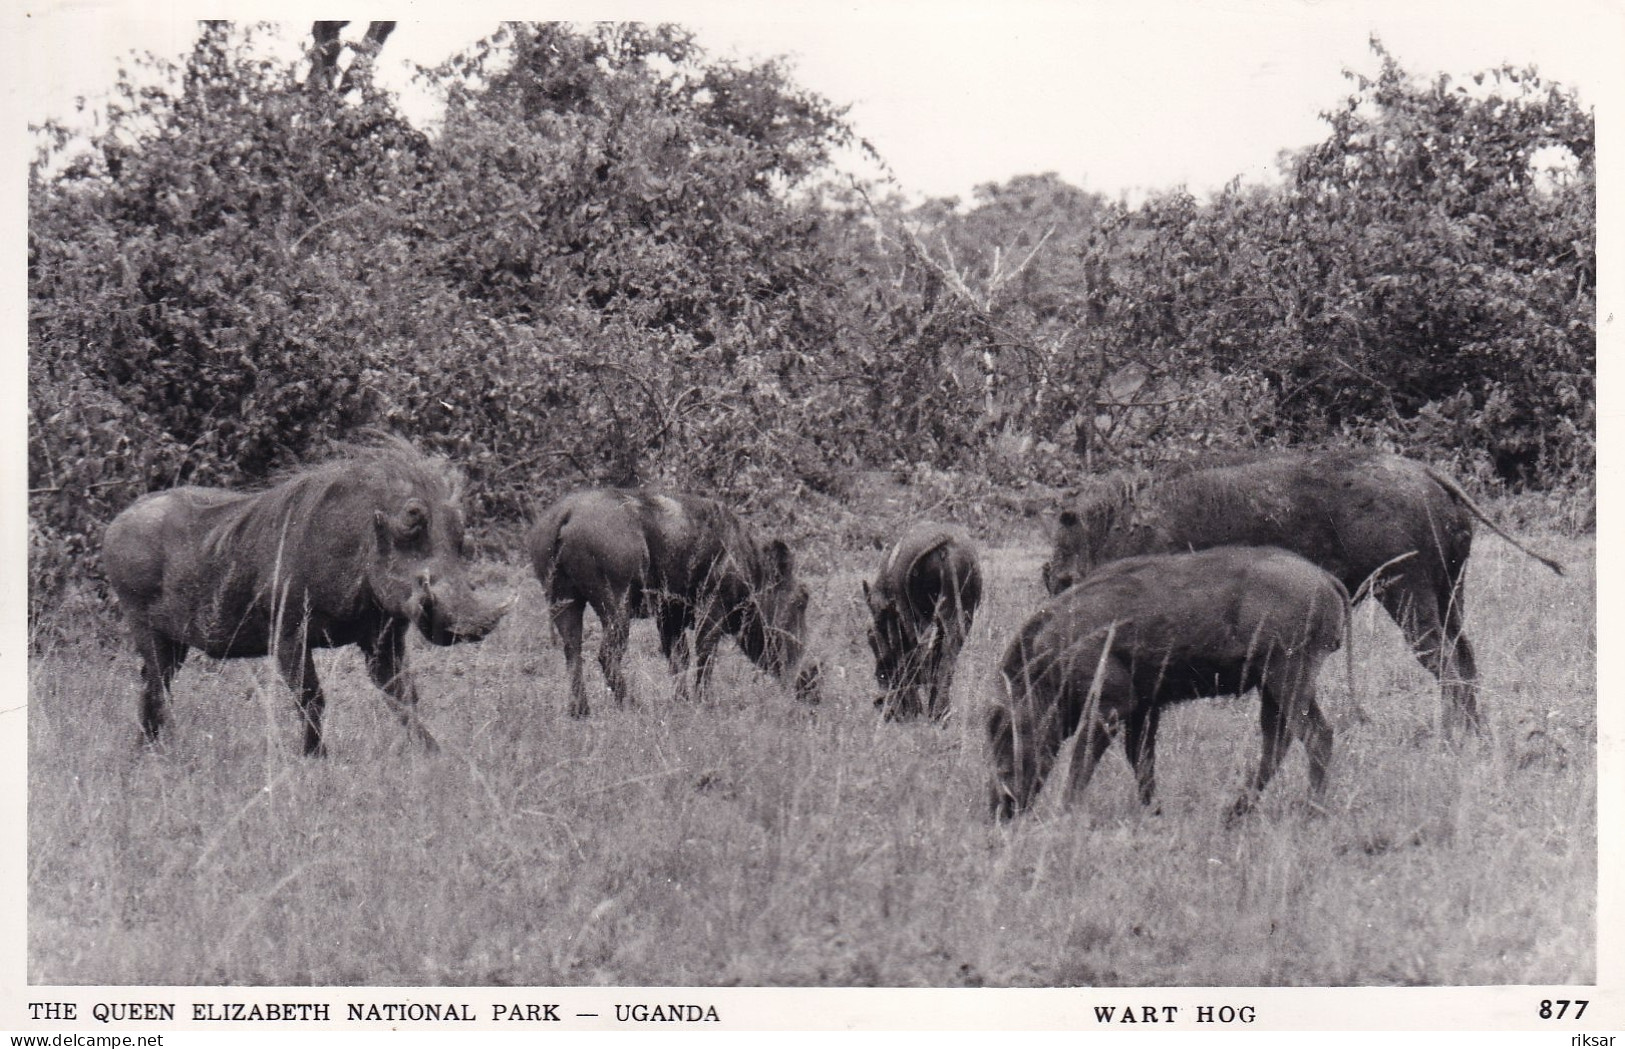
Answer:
[(922, 604), (1143, 632), (351, 552), (1375, 521), (687, 561)]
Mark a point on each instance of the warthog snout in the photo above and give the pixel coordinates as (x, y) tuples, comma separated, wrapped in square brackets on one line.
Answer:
[(450, 612)]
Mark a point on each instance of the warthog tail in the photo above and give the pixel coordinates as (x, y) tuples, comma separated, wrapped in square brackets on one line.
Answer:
[(1456, 492), (1348, 647)]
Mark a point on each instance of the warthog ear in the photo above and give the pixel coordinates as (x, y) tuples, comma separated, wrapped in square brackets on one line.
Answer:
[(781, 563)]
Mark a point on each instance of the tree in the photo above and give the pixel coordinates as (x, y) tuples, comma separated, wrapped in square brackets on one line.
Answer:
[(1453, 229), (619, 212), (327, 48), (1427, 280), (617, 259)]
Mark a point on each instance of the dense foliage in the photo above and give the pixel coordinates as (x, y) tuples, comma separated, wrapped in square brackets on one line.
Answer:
[(1426, 278), (616, 259)]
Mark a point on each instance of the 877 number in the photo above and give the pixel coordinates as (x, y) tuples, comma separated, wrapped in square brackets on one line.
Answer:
[(1556, 1010)]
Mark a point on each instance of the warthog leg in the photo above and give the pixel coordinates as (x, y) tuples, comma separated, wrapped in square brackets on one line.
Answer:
[(671, 618), (1316, 734), (1432, 624), (1460, 678), (1465, 678), (386, 663), (1274, 728), (1099, 713), (944, 660), (1140, 746), (160, 659), (616, 617), (1283, 713), (293, 659), (707, 635), (1092, 742), (567, 622)]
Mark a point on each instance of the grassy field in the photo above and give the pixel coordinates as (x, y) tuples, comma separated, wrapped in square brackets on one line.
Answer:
[(756, 841)]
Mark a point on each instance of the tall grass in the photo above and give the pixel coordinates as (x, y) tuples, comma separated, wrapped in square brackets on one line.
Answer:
[(753, 840)]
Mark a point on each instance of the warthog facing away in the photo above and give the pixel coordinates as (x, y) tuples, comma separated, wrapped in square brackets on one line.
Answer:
[(922, 604), (1147, 631), (352, 552), (1353, 513), (687, 561)]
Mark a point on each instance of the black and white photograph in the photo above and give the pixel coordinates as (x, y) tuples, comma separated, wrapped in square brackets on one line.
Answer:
[(677, 517)]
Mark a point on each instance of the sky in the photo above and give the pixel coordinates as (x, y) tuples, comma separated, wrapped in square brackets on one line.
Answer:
[(1118, 98)]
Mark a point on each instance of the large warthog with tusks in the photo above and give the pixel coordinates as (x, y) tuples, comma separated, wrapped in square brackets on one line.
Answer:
[(921, 607), (355, 551), (685, 560), (1379, 523), (1143, 632)]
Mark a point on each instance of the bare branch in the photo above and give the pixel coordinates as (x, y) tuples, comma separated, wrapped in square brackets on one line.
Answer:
[(324, 57), (366, 52)]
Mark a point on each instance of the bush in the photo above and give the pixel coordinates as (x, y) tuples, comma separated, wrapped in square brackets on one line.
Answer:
[(617, 260)]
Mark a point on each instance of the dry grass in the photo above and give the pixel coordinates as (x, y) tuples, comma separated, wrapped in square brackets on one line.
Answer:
[(755, 841)]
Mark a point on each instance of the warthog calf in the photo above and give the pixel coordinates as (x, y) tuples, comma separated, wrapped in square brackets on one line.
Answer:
[(1143, 632), (921, 605)]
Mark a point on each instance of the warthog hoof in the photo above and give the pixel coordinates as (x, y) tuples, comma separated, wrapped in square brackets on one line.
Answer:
[(1242, 807), (810, 683)]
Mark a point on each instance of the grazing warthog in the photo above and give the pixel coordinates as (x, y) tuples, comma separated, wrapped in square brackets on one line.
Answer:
[(1143, 632), (1354, 513), (352, 552), (922, 604), (686, 561)]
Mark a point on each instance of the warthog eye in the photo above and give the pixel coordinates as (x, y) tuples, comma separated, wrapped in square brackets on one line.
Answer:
[(414, 518), (405, 528)]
